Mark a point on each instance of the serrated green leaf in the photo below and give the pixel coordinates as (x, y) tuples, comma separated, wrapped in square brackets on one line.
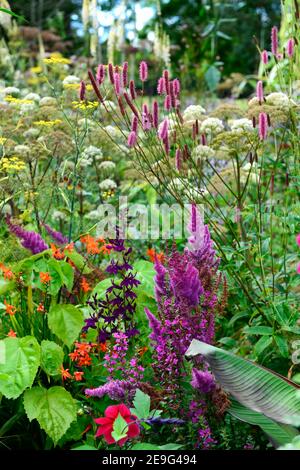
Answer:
[(120, 428), (145, 273), (52, 356), (54, 409), (141, 404), (66, 322), (19, 365)]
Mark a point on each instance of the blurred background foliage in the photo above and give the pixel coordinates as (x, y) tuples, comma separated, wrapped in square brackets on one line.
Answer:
[(202, 41)]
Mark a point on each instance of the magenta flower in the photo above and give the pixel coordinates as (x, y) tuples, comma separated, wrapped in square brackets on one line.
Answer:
[(143, 71), (132, 138), (163, 129), (178, 158), (167, 103), (125, 74), (263, 126), (264, 57), (274, 40), (290, 47), (100, 75), (134, 124), (82, 90), (132, 89), (260, 92), (161, 86), (155, 114), (117, 83), (111, 73)]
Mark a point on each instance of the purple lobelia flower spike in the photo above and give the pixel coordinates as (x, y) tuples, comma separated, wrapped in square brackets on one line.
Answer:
[(30, 240)]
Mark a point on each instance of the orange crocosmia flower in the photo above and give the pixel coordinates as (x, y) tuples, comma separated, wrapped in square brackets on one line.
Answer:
[(56, 253), (142, 351), (12, 334), (40, 307), (102, 347), (100, 240), (10, 309), (105, 250), (154, 255), (65, 373), (91, 244), (7, 273), (74, 356), (78, 376), (69, 247), (85, 360), (45, 278), (85, 287), (83, 347)]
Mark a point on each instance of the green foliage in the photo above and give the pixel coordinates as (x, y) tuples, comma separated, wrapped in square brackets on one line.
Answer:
[(54, 409), (52, 356), (19, 362), (120, 428), (66, 322)]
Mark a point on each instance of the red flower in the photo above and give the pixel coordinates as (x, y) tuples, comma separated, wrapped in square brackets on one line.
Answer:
[(11, 334), (106, 424), (78, 376)]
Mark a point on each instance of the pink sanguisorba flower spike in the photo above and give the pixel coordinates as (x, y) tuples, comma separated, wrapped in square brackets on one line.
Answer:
[(100, 75), (176, 86), (155, 114), (132, 138), (166, 79), (117, 83), (264, 57), (82, 90), (274, 40), (163, 130), (111, 73), (143, 71), (167, 103), (125, 74), (161, 86), (134, 124), (132, 89), (178, 158), (290, 47), (263, 126), (260, 92)]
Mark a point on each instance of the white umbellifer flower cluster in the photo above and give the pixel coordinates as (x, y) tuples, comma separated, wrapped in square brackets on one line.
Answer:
[(71, 80), (58, 215), (202, 152), (280, 100), (22, 150), (92, 152), (31, 133), (107, 166), (107, 184), (48, 101), (27, 108), (241, 125), (114, 132), (88, 124), (33, 97), (11, 90), (193, 112), (212, 126)]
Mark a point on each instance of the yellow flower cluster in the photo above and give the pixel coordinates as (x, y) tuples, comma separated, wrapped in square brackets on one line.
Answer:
[(85, 105), (11, 164), (75, 86), (2, 140), (37, 69), (57, 60), (48, 123), (11, 99)]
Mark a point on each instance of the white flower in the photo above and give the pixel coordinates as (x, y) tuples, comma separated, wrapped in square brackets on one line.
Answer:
[(107, 184), (11, 90), (83, 162), (22, 150), (280, 100), (202, 152), (92, 152), (107, 166), (58, 215), (48, 101), (110, 105), (31, 133), (27, 108), (193, 112), (212, 126), (32, 97), (114, 132), (70, 80), (241, 125), (253, 102)]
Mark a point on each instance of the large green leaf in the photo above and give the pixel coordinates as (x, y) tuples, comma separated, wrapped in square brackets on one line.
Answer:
[(19, 362), (254, 386), (145, 273), (279, 434), (66, 322), (54, 409), (52, 356)]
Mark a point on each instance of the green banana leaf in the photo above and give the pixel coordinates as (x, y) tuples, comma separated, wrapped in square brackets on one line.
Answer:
[(256, 387)]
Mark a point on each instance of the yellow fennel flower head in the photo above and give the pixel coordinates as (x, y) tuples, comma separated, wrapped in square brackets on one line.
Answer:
[(52, 123), (11, 165), (71, 86), (2, 140), (36, 69), (12, 99), (85, 105), (57, 59)]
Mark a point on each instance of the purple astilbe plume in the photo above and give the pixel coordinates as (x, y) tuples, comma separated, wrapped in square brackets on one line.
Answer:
[(117, 309), (154, 324), (160, 281), (30, 240), (58, 237)]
